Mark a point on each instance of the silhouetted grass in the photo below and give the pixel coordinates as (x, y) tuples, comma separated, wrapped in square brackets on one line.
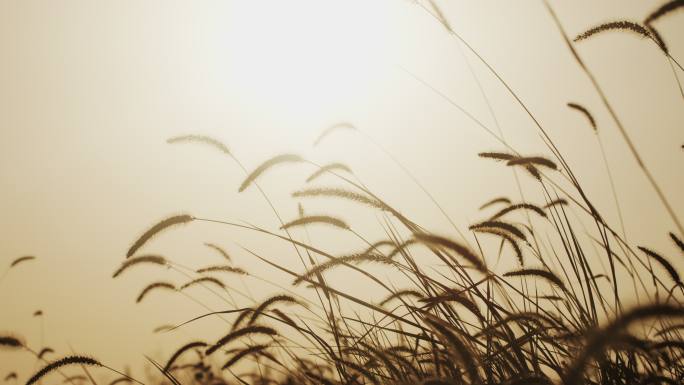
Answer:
[(559, 317)]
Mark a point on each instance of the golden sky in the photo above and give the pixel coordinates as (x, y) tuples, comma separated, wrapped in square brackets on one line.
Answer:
[(91, 90)]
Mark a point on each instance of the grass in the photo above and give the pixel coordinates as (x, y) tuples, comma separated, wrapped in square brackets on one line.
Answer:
[(558, 317)]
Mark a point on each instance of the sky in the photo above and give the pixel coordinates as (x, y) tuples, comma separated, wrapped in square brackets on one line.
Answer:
[(91, 91)]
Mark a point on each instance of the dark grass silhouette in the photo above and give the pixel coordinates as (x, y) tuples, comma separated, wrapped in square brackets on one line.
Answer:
[(556, 317)]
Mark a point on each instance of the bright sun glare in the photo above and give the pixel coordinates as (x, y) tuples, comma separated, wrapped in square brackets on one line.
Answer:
[(310, 57)]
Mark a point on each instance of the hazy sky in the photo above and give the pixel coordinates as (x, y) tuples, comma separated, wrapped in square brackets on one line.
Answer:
[(90, 91)]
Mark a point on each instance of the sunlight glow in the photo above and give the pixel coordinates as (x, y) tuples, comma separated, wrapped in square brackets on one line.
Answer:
[(306, 58)]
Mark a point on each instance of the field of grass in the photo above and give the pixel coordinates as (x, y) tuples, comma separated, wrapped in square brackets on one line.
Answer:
[(582, 304)]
